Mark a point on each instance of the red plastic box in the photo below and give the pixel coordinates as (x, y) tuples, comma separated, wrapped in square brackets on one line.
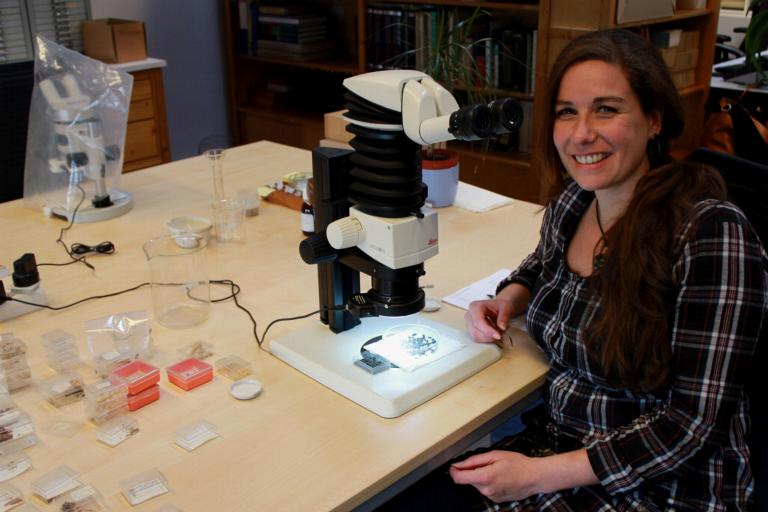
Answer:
[(143, 398), (138, 375), (189, 373)]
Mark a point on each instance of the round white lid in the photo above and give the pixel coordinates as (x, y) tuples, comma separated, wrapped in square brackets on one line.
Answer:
[(245, 389)]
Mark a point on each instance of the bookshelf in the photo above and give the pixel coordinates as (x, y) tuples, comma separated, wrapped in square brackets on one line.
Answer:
[(283, 97)]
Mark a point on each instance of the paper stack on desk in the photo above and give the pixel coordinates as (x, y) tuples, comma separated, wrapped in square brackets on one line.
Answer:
[(476, 199)]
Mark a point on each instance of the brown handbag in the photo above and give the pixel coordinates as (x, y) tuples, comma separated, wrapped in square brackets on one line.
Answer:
[(734, 130)]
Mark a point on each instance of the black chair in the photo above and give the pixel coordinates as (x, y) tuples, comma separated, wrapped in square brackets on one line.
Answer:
[(747, 182), (725, 52)]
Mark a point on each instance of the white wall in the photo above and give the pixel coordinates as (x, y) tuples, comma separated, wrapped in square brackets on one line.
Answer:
[(728, 21), (187, 34)]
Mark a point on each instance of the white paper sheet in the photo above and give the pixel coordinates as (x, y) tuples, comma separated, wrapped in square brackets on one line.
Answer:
[(478, 200), (479, 290)]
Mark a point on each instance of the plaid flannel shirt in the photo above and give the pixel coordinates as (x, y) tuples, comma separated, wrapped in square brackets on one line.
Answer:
[(682, 448)]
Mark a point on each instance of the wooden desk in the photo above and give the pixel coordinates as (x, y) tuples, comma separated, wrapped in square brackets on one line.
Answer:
[(299, 446)]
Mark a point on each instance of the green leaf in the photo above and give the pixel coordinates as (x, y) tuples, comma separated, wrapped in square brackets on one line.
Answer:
[(756, 39)]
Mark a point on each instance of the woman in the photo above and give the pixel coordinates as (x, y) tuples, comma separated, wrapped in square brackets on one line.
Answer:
[(647, 291)]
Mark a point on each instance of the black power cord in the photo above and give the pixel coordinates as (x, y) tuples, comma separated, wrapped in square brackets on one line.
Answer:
[(234, 292), (78, 251)]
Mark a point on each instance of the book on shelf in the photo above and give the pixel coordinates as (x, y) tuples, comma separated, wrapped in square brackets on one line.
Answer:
[(294, 51), (291, 35), (391, 35), (301, 20), (405, 36), (283, 9)]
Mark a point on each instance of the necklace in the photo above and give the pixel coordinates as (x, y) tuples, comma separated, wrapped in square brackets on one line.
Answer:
[(598, 258)]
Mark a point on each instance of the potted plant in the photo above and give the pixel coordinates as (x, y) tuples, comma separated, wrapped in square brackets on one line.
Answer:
[(456, 57), (756, 39)]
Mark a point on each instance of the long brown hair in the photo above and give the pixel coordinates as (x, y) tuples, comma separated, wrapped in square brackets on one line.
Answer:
[(630, 339)]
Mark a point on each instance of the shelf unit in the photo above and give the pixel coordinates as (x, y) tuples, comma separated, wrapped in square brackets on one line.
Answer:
[(257, 109)]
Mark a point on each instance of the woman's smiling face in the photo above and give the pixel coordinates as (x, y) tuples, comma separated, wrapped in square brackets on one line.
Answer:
[(600, 129)]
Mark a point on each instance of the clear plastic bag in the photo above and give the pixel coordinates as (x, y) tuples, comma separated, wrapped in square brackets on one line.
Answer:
[(118, 339), (77, 123)]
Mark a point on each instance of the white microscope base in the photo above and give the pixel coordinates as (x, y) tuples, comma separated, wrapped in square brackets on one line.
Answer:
[(329, 359), (122, 202)]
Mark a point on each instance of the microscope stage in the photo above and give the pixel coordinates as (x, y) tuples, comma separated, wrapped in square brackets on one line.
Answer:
[(330, 359)]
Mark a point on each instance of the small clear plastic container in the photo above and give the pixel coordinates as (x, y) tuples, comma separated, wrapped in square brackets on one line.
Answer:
[(189, 373), (16, 430), (146, 397), (144, 486), (56, 482), (106, 399), (10, 497), (11, 346), (26, 507), (115, 431), (138, 375), (196, 434), (58, 341), (63, 389), (9, 413), (63, 362), (197, 349), (14, 363), (14, 465), (17, 445), (62, 352), (83, 499), (108, 361), (233, 367), (19, 378)]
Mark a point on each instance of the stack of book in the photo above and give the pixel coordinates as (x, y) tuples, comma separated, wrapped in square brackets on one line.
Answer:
[(290, 32)]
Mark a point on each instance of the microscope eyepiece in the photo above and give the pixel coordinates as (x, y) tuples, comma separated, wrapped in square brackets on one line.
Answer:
[(507, 115), (473, 122)]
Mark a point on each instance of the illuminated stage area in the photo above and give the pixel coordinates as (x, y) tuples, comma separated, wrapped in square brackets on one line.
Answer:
[(438, 357)]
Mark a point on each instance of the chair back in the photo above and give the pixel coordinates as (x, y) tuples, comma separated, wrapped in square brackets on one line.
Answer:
[(747, 182)]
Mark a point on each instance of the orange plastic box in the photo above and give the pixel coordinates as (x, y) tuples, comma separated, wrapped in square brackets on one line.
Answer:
[(189, 373), (146, 397), (138, 375)]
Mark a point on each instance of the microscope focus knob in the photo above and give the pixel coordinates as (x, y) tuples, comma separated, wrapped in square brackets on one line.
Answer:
[(315, 249), (344, 233)]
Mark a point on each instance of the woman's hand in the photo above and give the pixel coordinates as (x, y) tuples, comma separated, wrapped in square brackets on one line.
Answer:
[(509, 476), (498, 475), (486, 320)]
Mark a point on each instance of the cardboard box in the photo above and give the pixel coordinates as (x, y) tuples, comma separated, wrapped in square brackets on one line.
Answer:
[(684, 78), (335, 127), (114, 40), (685, 59), (669, 55), (689, 40), (637, 10)]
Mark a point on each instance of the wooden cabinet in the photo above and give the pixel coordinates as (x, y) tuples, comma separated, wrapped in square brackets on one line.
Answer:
[(258, 85), (146, 138)]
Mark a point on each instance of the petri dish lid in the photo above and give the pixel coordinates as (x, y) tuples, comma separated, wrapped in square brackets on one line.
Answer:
[(245, 389)]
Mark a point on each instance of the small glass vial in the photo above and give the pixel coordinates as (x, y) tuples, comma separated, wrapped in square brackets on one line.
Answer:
[(307, 213)]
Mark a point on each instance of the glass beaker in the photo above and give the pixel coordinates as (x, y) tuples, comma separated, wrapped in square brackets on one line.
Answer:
[(216, 159), (179, 278)]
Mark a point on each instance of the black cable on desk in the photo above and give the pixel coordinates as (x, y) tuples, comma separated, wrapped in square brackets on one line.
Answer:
[(77, 248), (234, 291)]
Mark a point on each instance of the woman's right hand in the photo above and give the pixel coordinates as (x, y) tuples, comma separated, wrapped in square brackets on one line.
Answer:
[(487, 320)]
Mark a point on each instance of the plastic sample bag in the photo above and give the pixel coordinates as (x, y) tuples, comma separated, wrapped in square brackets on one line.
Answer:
[(77, 123)]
